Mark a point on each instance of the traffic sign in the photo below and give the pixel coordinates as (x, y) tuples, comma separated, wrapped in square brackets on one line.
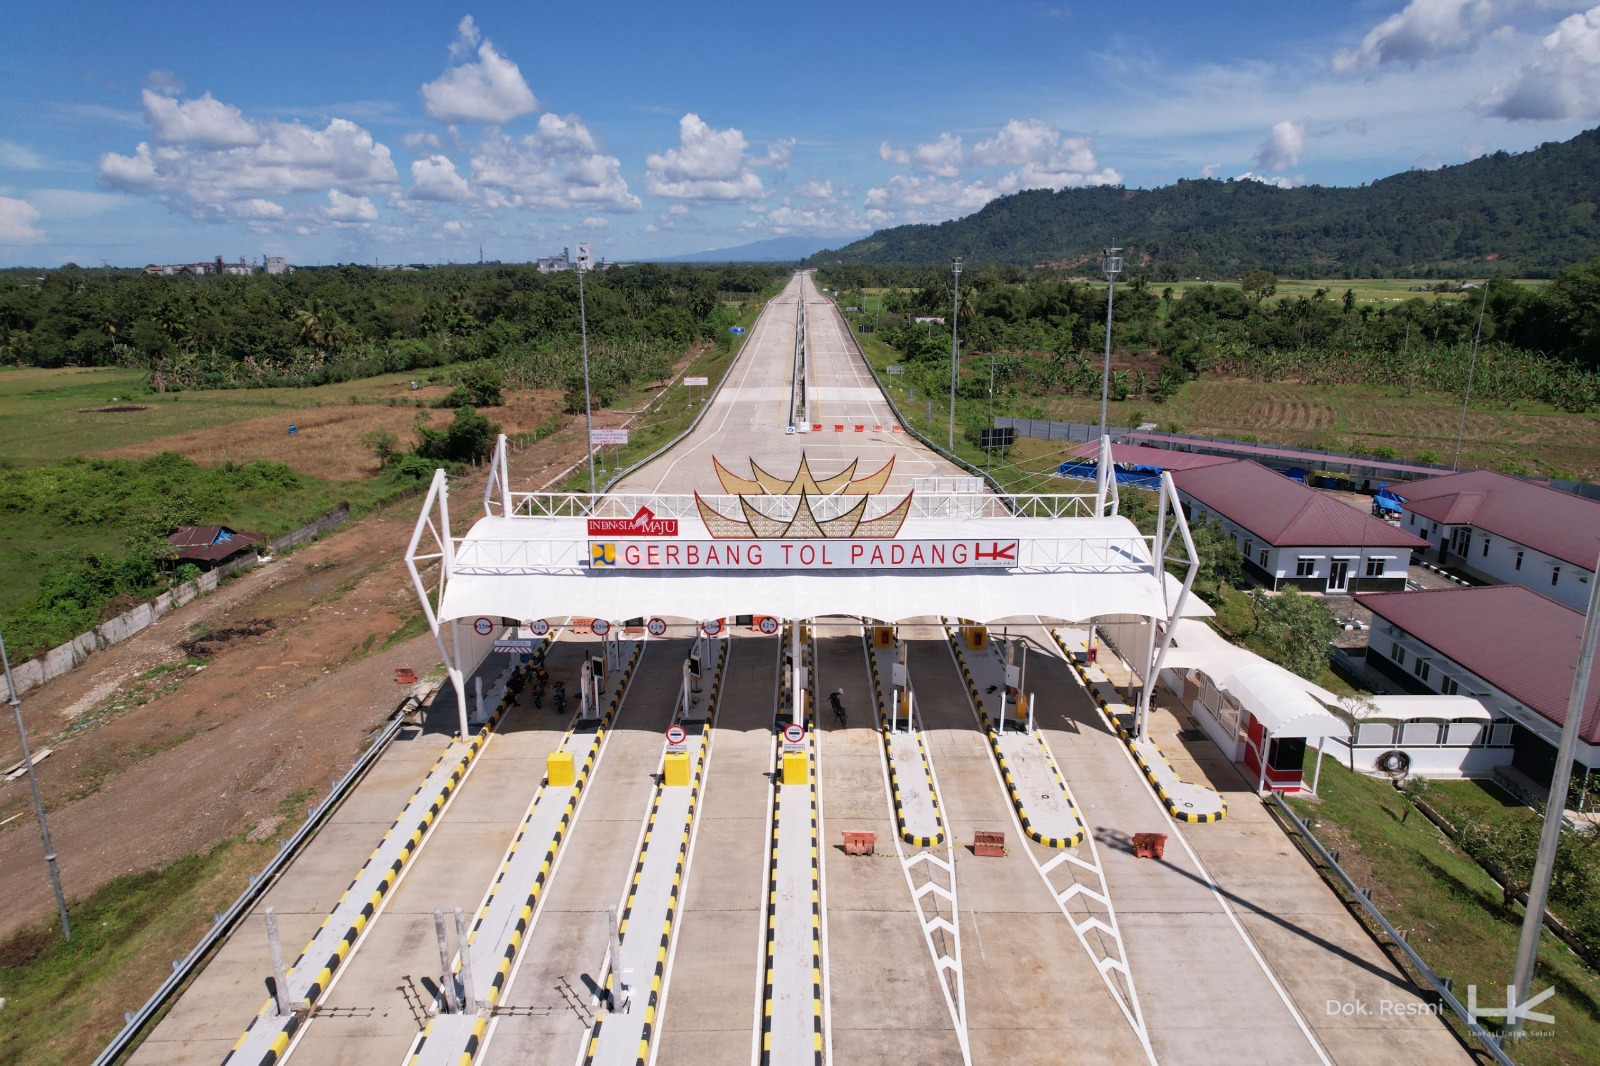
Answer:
[(605, 437), (538, 627), (712, 627), (600, 627), (794, 733), (769, 625), (701, 381), (483, 627), (656, 627), (676, 735)]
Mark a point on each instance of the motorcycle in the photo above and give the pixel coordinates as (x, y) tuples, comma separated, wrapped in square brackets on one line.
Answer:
[(561, 697)]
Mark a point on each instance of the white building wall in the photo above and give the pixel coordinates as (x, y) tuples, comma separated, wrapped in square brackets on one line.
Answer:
[(1285, 562), (1561, 581)]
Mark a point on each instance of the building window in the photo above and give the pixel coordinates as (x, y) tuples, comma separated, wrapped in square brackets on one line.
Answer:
[(1421, 670), (1263, 558), (1435, 526), (1486, 547), (1448, 686), (1248, 544), (1374, 567), (1305, 568), (1555, 576), (1519, 561), (1399, 655)]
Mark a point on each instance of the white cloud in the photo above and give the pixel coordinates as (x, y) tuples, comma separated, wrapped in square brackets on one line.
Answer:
[(1424, 29), (204, 123), (1281, 150), (677, 209), (14, 156), (1275, 181), (780, 153), (342, 207), (17, 219), (419, 140), (1210, 170), (489, 91), (906, 199), (206, 181), (73, 203), (1563, 83), (164, 82), (941, 157), (895, 156), (596, 222), (815, 217), (709, 165), (556, 168), (816, 189), (435, 178)]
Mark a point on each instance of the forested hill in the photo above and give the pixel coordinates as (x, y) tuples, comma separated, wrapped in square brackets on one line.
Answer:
[(1528, 215)]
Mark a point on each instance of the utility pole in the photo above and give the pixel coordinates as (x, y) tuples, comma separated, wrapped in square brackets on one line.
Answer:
[(955, 357), (1544, 863), (38, 803), (1455, 461), (588, 408), (1111, 267)]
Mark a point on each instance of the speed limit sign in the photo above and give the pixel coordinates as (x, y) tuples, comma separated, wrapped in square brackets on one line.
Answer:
[(712, 627), (769, 625), (794, 733), (600, 627), (483, 627), (538, 627), (656, 627)]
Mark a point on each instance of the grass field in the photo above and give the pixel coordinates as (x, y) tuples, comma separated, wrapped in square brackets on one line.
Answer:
[(1450, 909)]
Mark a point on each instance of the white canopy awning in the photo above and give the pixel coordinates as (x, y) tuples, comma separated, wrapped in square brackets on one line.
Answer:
[(1276, 699), (1408, 708)]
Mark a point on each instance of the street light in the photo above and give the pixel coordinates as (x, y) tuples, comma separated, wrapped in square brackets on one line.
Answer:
[(33, 782), (583, 326), (1111, 267), (1483, 305), (955, 310)]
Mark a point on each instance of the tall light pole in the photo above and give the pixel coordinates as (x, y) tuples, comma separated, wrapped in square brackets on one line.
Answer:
[(1111, 267), (33, 782), (955, 313), (583, 326), (1550, 835), (1455, 461)]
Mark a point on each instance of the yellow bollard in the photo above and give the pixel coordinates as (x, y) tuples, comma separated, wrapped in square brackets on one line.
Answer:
[(795, 768), (558, 768), (675, 768), (883, 636), (977, 637)]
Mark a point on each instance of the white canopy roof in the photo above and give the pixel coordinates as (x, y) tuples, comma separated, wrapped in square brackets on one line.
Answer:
[(1069, 569), (1407, 708), (1288, 705)]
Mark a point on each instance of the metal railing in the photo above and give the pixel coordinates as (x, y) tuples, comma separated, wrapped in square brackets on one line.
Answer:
[(224, 923), (1484, 1037)]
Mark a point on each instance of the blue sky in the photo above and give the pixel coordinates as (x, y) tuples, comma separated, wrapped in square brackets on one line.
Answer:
[(340, 131)]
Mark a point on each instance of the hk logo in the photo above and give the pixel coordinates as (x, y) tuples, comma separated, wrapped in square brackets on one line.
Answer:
[(1513, 1011)]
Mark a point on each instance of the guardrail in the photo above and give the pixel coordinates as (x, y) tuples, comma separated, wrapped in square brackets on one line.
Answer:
[(136, 1021), (1484, 1037)]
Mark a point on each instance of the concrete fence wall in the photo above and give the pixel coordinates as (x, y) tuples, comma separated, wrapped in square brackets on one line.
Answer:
[(64, 657)]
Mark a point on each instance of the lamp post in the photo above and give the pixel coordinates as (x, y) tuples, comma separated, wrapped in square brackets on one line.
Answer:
[(955, 310), (38, 803), (1111, 267), (1455, 461), (583, 326)]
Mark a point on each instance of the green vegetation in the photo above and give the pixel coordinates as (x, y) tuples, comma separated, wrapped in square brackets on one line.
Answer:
[(64, 1000), (1451, 910), (1530, 214)]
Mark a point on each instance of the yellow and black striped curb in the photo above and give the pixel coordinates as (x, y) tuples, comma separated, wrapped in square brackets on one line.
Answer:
[(658, 975), (894, 776), (1005, 769), (508, 958), (1112, 720), (341, 951)]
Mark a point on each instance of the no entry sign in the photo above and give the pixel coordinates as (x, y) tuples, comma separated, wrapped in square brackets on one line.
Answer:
[(600, 627), (794, 733), (656, 627), (676, 735)]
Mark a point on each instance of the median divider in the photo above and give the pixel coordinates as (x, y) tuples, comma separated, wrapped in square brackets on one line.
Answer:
[(914, 839)]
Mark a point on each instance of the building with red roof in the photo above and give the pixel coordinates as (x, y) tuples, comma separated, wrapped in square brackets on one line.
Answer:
[(211, 546), (1295, 536), (1514, 649), (1507, 531)]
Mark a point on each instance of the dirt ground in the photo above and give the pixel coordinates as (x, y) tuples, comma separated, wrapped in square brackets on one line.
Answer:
[(154, 759)]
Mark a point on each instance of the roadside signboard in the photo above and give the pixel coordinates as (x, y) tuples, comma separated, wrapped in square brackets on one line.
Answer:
[(483, 627), (600, 627), (604, 437), (515, 645), (769, 625), (702, 381), (656, 627), (538, 627)]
